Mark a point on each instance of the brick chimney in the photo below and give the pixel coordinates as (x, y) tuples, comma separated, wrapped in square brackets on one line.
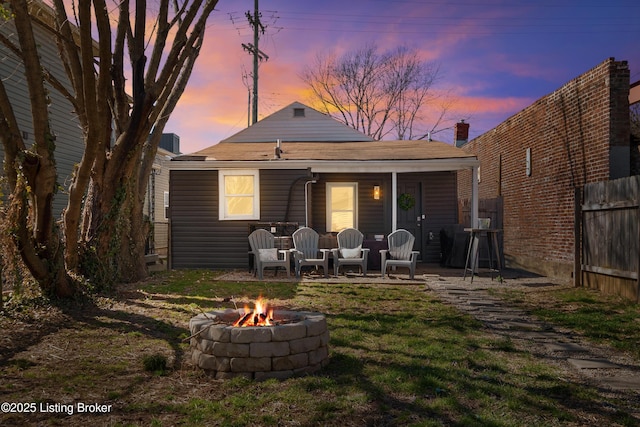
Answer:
[(461, 131)]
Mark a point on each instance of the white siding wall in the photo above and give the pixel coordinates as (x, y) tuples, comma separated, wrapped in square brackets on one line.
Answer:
[(154, 202)]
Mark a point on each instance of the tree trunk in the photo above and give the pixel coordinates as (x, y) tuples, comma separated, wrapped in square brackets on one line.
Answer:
[(33, 179), (115, 228), (104, 227), (44, 257)]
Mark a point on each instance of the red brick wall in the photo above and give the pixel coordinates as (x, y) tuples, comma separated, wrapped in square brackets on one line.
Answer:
[(574, 135)]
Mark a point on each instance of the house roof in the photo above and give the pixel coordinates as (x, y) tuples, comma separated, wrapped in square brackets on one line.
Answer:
[(298, 122), (321, 143), (329, 151), (348, 157)]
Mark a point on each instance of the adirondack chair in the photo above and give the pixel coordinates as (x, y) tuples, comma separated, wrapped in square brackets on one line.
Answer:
[(265, 254), (400, 252), (350, 250), (305, 252)]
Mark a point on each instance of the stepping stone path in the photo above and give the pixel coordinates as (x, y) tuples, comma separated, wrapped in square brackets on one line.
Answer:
[(591, 363)]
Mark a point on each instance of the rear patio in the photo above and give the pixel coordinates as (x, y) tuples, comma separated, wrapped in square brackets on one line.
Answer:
[(484, 279)]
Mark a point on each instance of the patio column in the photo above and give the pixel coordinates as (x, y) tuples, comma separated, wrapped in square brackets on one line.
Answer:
[(394, 204), (474, 197)]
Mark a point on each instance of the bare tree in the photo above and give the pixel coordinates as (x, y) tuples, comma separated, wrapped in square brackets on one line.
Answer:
[(378, 93), (127, 72)]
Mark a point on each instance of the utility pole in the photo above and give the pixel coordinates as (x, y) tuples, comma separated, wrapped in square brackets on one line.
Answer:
[(258, 55)]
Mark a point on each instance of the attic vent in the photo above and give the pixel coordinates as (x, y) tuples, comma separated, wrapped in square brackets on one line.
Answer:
[(298, 112)]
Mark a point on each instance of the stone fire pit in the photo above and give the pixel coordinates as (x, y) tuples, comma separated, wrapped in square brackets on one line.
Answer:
[(296, 344)]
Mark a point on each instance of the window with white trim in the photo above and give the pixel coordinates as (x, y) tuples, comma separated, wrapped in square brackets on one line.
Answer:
[(165, 202), (342, 205), (239, 194)]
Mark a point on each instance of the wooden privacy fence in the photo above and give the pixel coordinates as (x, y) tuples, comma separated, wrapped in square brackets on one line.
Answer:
[(487, 208), (608, 237)]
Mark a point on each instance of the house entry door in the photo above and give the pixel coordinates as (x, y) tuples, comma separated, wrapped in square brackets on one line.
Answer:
[(410, 210)]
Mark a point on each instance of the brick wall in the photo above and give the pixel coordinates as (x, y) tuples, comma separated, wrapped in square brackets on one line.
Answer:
[(576, 135)]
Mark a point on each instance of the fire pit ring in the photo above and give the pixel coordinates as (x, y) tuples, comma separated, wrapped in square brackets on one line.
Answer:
[(296, 344)]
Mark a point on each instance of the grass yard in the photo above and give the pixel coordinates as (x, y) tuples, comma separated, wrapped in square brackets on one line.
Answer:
[(398, 357)]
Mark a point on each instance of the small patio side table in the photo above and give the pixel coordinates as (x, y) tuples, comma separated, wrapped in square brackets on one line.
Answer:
[(373, 262), (474, 250)]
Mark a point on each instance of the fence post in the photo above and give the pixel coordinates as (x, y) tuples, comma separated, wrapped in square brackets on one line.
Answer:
[(577, 237), (638, 265)]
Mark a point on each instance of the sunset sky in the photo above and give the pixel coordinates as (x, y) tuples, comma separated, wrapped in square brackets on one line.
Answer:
[(495, 56)]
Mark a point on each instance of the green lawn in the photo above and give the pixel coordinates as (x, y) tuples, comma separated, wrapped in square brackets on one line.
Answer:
[(398, 357)]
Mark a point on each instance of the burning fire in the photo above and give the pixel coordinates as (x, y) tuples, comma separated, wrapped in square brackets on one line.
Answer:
[(259, 316)]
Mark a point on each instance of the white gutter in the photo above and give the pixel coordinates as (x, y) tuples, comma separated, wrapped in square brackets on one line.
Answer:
[(332, 166)]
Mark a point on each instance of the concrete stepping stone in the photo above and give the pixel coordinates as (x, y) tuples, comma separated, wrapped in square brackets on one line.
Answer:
[(482, 302), (507, 317), (593, 364), (620, 382), (496, 310), (565, 347), (523, 326)]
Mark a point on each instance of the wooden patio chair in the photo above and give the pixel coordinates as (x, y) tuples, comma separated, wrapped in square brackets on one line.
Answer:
[(306, 251), (350, 250), (400, 252), (265, 254)]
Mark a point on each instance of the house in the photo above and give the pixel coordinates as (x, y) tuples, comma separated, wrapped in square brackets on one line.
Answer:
[(156, 207), (301, 167), (65, 125), (535, 160)]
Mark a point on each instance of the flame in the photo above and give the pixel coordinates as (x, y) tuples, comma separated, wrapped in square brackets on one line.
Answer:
[(261, 315)]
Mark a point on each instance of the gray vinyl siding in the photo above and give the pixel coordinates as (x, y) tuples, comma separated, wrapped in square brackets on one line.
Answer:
[(200, 240), (439, 204), (64, 123)]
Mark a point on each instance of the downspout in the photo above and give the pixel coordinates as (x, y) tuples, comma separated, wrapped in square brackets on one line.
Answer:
[(474, 197), (293, 184), (394, 201), (306, 201)]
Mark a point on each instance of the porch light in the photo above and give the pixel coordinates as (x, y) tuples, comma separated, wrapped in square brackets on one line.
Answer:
[(376, 192)]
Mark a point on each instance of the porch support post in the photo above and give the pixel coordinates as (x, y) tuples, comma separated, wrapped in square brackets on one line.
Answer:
[(394, 204), (474, 197)]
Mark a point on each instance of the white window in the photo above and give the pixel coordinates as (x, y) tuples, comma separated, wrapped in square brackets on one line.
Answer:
[(342, 205), (166, 204), (239, 194)]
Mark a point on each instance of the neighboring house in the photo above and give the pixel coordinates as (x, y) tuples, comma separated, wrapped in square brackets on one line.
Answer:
[(63, 121), (156, 206), (301, 167), (66, 127), (535, 160)]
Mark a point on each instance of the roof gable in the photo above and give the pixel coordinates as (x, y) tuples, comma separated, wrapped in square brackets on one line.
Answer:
[(300, 123)]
